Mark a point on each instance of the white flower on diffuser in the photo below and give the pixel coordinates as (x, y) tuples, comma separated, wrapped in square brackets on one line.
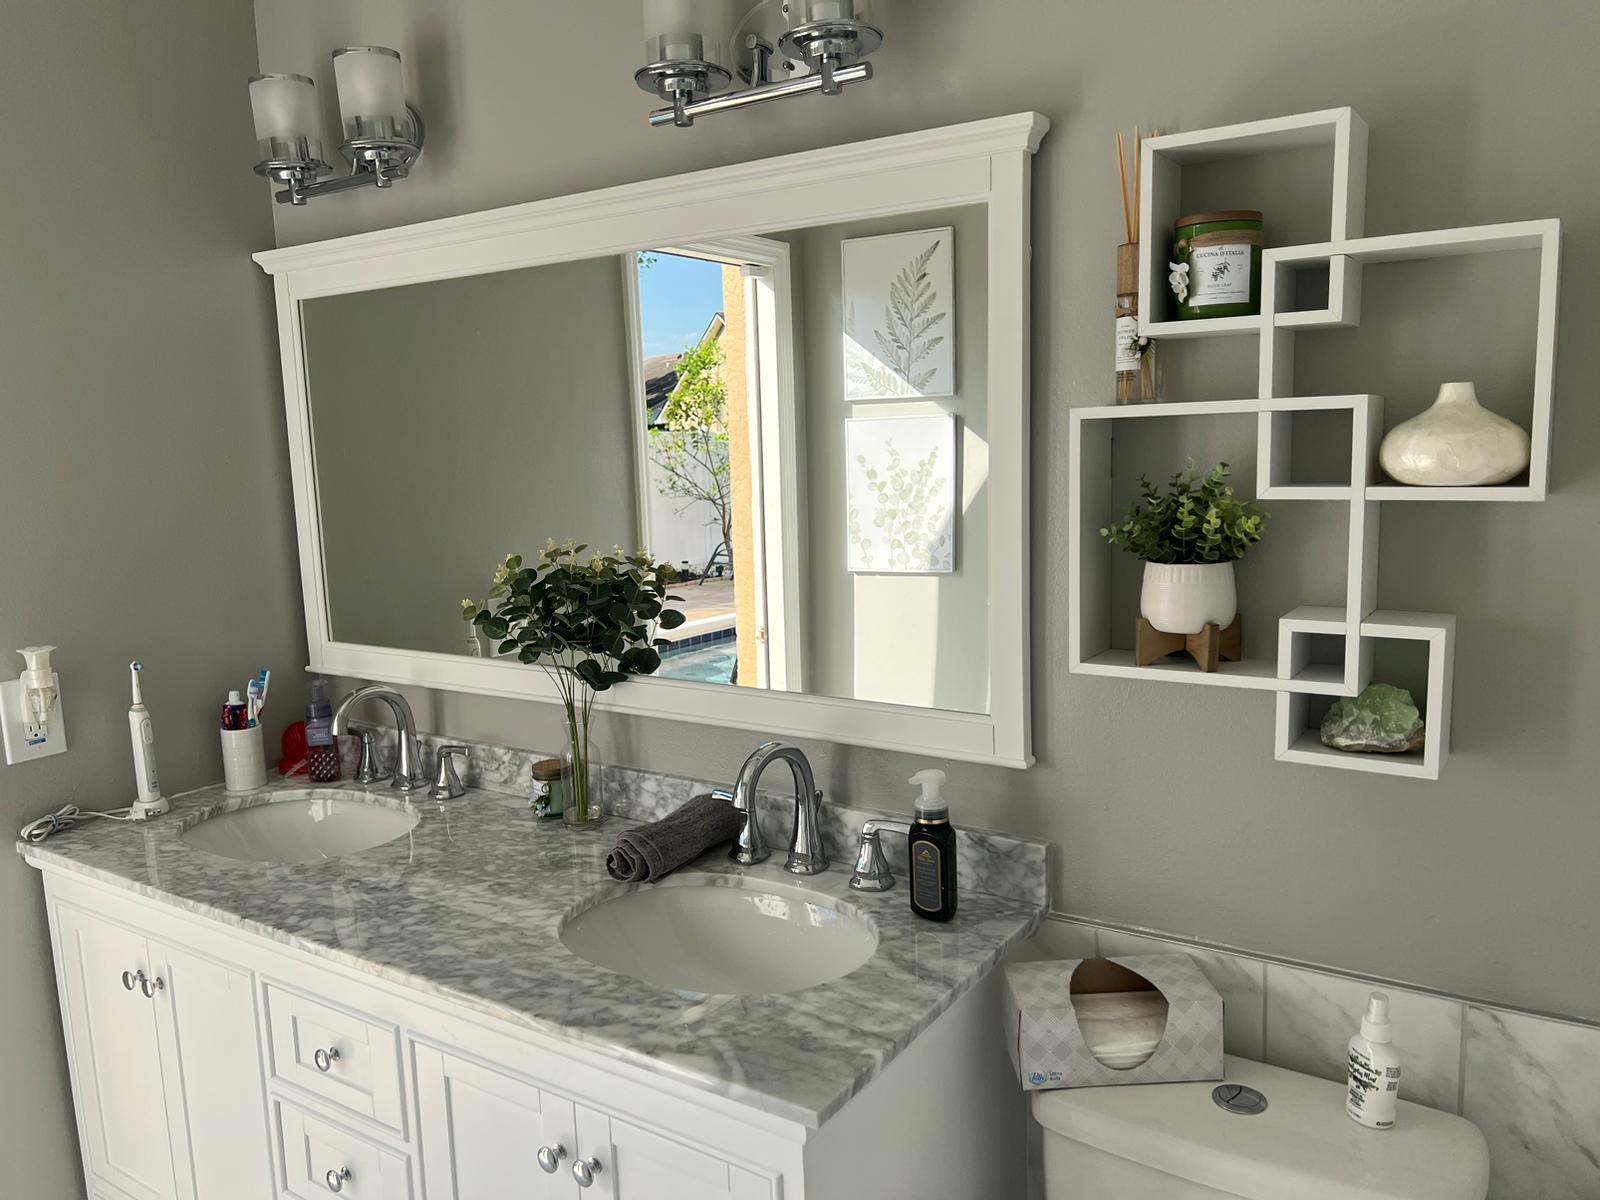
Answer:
[(1178, 280)]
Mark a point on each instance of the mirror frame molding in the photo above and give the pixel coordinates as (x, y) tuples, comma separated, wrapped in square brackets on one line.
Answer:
[(985, 162)]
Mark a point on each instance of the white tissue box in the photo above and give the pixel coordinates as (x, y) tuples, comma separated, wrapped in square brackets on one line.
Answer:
[(1098, 1022)]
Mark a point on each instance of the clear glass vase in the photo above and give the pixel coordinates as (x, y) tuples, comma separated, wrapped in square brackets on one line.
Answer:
[(581, 775)]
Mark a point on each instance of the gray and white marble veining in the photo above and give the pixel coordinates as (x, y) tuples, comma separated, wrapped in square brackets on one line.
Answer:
[(1311, 1017), (1241, 982), (1533, 1086), (997, 864), (467, 907)]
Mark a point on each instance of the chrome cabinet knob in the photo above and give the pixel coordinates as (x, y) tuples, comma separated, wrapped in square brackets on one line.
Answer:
[(151, 986), (326, 1058), (584, 1171), (550, 1158), (130, 980), (337, 1179)]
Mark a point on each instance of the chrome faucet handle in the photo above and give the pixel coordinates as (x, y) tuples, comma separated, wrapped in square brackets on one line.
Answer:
[(447, 784), (806, 855), (872, 873), (368, 771), (749, 847)]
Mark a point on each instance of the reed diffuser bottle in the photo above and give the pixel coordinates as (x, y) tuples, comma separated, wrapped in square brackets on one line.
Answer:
[(1135, 355)]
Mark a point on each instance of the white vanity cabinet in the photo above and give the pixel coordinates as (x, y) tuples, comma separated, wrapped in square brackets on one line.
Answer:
[(163, 1052), (210, 1062)]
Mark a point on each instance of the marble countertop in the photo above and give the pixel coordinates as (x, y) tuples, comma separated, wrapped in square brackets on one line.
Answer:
[(467, 907)]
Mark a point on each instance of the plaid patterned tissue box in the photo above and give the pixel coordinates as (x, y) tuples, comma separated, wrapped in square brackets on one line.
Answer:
[(1048, 1049)]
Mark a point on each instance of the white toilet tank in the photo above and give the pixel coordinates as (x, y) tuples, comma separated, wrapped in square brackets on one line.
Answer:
[(1174, 1142)]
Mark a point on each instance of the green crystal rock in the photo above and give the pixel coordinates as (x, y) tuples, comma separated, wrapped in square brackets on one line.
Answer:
[(1383, 719)]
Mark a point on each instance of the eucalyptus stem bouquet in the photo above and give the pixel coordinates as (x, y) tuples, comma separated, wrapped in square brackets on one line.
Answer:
[(590, 623)]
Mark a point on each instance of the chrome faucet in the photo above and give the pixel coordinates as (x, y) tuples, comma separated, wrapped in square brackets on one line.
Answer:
[(408, 774), (872, 873), (806, 856)]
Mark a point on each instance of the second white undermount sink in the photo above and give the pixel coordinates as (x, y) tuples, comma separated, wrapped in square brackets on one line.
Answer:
[(302, 825), (718, 935)]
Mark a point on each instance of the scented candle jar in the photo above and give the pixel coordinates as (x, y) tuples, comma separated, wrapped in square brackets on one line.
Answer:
[(1222, 251)]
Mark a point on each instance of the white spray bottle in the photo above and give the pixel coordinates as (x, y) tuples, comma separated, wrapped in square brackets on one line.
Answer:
[(151, 803), (1374, 1085)]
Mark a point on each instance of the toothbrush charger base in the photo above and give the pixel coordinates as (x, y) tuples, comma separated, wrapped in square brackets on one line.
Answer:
[(143, 810)]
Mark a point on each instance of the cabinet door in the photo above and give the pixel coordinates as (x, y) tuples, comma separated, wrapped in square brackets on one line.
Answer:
[(643, 1165), (206, 1017), (116, 1062), (482, 1131)]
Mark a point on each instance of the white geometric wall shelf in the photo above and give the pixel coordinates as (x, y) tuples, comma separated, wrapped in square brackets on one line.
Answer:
[(1539, 237), (1294, 741), (1295, 674), (1160, 200)]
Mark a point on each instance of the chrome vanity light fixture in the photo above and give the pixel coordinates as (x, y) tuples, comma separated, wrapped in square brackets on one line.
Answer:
[(778, 48), (382, 133)]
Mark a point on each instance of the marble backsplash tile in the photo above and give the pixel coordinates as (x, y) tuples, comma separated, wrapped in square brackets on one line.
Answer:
[(1311, 1016), (993, 863), (1533, 1086)]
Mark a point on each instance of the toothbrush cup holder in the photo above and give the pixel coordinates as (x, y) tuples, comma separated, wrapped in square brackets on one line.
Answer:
[(244, 760)]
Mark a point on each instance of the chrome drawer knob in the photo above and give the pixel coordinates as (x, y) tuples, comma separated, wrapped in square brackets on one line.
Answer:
[(550, 1158), (326, 1058), (337, 1179), (584, 1171)]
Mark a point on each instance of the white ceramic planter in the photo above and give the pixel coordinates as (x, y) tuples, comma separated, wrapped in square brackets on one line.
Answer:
[(1456, 442), (1183, 598)]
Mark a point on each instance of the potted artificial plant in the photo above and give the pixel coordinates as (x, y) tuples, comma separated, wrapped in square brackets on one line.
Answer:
[(590, 623), (1189, 537)]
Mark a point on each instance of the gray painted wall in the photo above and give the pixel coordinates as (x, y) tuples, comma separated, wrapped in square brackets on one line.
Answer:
[(142, 448), (1167, 808), (503, 404)]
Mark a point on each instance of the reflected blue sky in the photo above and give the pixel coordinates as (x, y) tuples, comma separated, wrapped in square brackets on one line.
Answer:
[(677, 299)]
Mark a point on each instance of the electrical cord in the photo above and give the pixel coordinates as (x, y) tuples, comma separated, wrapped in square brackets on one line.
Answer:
[(65, 818)]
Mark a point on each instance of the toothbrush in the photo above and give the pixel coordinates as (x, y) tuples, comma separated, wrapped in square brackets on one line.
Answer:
[(151, 802), (263, 681)]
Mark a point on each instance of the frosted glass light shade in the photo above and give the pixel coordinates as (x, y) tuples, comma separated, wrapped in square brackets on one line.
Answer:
[(288, 118), (372, 97), (686, 30)]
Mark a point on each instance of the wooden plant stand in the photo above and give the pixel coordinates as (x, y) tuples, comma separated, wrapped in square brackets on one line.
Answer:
[(1205, 647)]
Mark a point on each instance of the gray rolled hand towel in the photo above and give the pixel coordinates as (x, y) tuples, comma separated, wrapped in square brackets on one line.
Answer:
[(647, 852)]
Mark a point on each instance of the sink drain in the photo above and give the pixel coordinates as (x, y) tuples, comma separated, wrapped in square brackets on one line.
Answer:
[(1237, 1098)]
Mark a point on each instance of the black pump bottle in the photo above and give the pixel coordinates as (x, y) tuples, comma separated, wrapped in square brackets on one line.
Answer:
[(932, 846)]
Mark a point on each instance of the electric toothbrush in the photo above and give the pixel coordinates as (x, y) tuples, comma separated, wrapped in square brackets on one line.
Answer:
[(151, 803)]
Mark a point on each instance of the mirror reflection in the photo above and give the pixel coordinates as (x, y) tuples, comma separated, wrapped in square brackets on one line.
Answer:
[(795, 422)]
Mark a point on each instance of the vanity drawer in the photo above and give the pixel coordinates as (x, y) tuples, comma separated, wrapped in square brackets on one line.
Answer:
[(338, 1055), (318, 1159)]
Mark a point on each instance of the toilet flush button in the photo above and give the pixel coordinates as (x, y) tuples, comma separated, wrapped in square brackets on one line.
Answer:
[(1237, 1098)]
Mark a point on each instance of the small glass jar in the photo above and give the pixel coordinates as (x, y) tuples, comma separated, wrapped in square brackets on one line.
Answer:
[(1218, 259), (547, 796)]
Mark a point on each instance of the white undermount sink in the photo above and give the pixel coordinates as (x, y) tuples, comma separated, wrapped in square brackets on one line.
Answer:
[(302, 825), (723, 935)]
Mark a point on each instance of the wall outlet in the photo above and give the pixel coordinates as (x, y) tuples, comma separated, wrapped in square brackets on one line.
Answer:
[(26, 740)]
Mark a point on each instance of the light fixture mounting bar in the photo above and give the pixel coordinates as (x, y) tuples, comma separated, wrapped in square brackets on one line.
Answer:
[(684, 114)]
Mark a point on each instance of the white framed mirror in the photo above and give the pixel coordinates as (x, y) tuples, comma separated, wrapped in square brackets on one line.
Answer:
[(803, 381)]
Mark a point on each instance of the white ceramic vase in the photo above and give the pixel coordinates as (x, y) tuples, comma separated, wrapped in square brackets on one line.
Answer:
[(1185, 598), (1455, 443)]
